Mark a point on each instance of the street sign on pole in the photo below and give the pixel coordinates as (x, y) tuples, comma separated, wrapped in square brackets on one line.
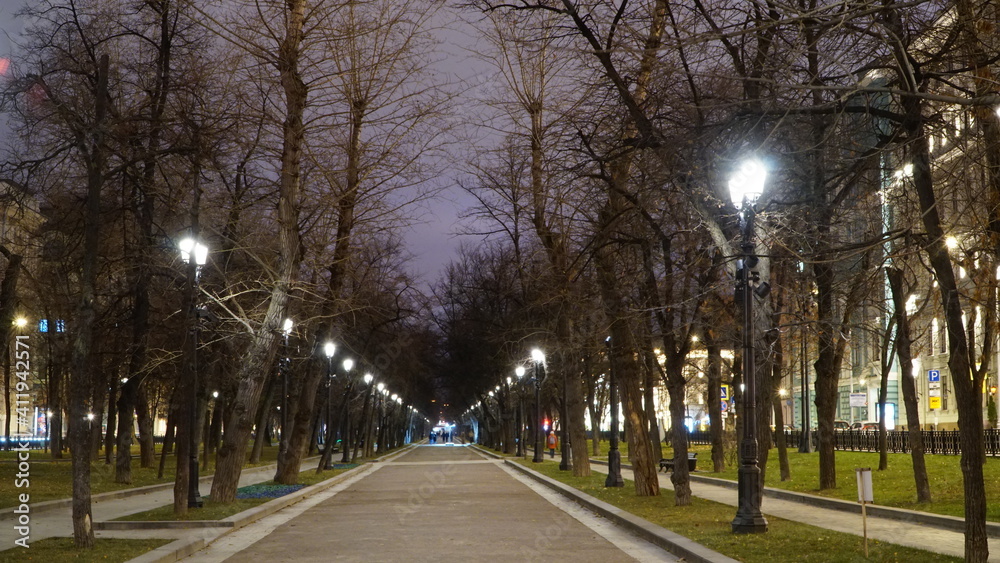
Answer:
[(934, 402), (859, 399), (865, 496), (933, 375), (724, 392)]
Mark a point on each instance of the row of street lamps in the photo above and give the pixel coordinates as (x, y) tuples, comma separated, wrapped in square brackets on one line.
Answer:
[(195, 255), (745, 188)]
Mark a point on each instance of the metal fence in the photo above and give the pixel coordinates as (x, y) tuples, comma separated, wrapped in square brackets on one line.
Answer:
[(937, 442)]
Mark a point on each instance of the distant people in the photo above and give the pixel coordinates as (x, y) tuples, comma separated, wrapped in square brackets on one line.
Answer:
[(552, 441), (431, 438)]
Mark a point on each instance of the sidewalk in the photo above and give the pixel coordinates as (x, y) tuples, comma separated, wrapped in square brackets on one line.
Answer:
[(436, 504)]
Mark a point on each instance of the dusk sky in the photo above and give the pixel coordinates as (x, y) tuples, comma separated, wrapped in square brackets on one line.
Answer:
[(433, 241)]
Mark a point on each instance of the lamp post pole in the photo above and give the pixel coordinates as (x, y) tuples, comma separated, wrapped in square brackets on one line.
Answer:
[(283, 368), (329, 349), (805, 439), (521, 450), (361, 433), (614, 478), (539, 358), (565, 463), (346, 427), (194, 254), (749, 519)]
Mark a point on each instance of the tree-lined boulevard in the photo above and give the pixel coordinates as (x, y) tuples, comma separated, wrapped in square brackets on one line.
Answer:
[(732, 216)]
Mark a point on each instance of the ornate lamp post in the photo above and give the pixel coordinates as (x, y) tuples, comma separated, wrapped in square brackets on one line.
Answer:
[(745, 187), (538, 358), (521, 450), (329, 350), (283, 367), (364, 432), (344, 444), (194, 254), (614, 478)]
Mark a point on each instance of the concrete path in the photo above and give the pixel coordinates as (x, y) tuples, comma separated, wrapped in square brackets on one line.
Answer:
[(920, 536), (434, 503)]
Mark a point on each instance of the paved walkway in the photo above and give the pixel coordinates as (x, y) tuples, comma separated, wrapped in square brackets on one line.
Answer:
[(434, 503)]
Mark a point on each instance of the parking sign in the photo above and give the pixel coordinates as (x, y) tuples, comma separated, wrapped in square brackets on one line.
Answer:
[(933, 375)]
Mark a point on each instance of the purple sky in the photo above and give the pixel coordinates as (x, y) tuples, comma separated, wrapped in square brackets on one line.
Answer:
[(433, 242)]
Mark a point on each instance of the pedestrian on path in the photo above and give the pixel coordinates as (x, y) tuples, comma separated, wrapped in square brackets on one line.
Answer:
[(552, 441)]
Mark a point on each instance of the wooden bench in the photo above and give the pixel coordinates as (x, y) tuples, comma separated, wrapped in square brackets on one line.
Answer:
[(668, 464)]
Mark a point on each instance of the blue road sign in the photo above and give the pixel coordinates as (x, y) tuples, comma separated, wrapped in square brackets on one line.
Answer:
[(933, 375)]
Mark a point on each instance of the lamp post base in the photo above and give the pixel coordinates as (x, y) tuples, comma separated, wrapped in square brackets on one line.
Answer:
[(194, 492), (614, 470), (805, 443), (749, 519)]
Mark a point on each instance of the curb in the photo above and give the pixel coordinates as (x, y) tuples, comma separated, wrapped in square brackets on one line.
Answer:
[(183, 547), (676, 544)]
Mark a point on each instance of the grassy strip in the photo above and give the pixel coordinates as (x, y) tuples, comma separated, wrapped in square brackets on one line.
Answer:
[(54, 480), (709, 523), (219, 511), (106, 550), (893, 487)]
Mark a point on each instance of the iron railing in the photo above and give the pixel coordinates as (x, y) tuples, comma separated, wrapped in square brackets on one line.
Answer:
[(936, 442)]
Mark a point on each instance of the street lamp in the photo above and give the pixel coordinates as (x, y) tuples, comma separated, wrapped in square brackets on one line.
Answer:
[(521, 451), (344, 444), (745, 187), (538, 358), (194, 254), (283, 368), (329, 350), (614, 478), (364, 433)]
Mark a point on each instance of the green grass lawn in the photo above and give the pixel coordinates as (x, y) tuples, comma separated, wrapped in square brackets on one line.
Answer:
[(50, 480), (709, 524), (106, 550), (218, 511), (893, 487)]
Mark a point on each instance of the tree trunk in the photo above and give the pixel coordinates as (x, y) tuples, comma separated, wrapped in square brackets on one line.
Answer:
[(595, 418), (8, 303), (915, 435), (649, 397), (628, 376), (261, 421), (81, 381), (288, 468), (968, 390), (125, 406), (147, 451), (680, 477), (714, 376), (169, 434), (260, 356)]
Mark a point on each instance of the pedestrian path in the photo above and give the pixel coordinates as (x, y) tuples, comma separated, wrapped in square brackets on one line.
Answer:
[(920, 536), (433, 504)]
